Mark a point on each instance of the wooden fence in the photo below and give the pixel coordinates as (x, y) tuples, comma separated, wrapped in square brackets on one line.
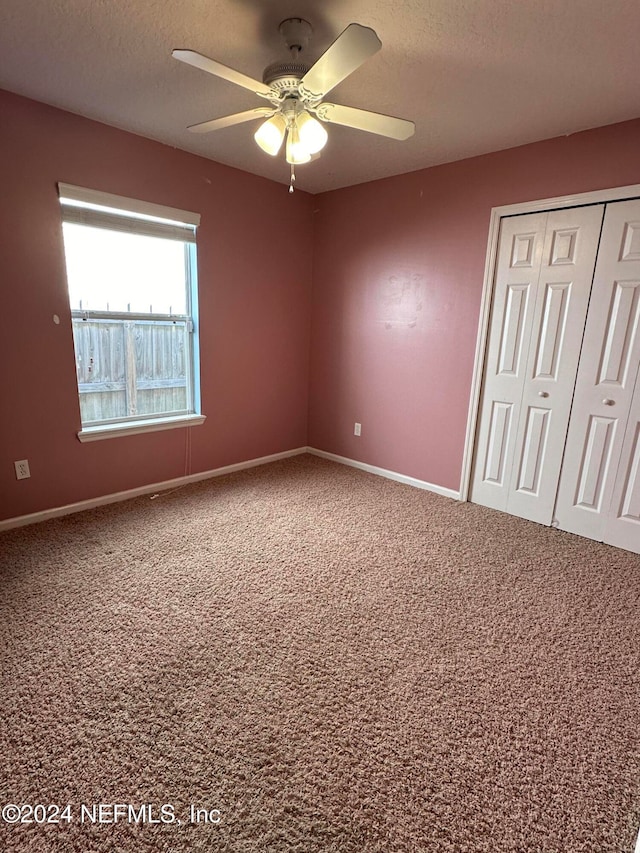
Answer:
[(130, 368)]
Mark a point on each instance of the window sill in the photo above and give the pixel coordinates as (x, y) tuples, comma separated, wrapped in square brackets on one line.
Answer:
[(97, 433)]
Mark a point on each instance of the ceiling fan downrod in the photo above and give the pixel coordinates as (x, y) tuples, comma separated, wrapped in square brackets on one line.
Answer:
[(296, 33)]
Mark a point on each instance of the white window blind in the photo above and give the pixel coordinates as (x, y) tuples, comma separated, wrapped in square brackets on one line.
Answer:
[(104, 210)]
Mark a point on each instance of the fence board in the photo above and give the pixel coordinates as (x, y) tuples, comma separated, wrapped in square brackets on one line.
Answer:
[(130, 367)]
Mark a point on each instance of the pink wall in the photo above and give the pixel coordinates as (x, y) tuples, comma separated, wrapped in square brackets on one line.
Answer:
[(397, 279), (254, 310), (398, 275)]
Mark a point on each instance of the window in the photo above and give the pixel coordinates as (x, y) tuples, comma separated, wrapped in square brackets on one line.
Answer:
[(131, 273)]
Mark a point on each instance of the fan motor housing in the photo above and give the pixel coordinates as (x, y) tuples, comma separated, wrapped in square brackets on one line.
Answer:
[(284, 76)]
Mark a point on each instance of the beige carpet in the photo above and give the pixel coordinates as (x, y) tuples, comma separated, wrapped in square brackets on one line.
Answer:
[(334, 661)]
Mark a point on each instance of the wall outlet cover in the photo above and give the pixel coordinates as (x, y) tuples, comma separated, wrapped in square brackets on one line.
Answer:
[(22, 469)]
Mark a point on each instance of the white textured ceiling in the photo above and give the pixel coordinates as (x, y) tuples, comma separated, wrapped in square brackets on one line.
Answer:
[(475, 75)]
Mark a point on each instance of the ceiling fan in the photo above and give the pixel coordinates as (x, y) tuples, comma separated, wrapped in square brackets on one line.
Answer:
[(295, 92)]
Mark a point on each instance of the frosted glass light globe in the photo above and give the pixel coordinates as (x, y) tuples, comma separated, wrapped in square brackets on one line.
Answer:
[(312, 134), (297, 153), (270, 134)]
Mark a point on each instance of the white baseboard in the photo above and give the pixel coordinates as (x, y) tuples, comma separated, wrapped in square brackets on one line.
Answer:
[(68, 509), (390, 475), (34, 517)]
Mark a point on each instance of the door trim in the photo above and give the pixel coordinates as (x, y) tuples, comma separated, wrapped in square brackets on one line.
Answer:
[(498, 213)]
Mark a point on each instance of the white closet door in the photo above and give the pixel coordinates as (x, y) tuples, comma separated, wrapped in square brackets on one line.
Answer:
[(544, 274), (599, 460), (568, 260), (622, 527), (517, 274)]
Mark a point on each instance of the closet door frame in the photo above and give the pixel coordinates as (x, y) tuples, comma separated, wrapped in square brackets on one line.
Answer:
[(497, 213)]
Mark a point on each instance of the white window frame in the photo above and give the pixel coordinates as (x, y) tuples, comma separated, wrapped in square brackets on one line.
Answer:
[(81, 205)]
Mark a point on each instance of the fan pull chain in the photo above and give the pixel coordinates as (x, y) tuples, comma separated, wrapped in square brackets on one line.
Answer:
[(293, 179)]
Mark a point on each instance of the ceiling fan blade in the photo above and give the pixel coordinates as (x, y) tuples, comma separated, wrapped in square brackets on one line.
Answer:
[(191, 57), (228, 121), (394, 128), (354, 44)]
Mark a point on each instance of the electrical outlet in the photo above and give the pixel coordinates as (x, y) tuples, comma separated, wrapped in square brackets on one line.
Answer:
[(357, 429), (22, 469)]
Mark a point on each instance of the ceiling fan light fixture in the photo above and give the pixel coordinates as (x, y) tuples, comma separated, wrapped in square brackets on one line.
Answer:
[(296, 152), (296, 94), (313, 136), (270, 134)]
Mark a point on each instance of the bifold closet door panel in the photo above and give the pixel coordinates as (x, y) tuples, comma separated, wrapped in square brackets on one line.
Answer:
[(594, 464), (539, 312), (622, 527), (516, 281)]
